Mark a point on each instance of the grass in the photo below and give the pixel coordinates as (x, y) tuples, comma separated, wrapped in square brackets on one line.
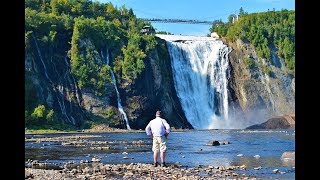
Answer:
[(42, 131)]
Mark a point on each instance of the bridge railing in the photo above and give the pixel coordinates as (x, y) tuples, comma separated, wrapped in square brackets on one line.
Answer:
[(187, 21)]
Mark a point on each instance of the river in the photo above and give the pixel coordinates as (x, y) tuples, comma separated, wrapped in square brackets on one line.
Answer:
[(259, 150)]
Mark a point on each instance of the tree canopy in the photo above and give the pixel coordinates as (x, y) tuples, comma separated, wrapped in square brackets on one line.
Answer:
[(265, 30)]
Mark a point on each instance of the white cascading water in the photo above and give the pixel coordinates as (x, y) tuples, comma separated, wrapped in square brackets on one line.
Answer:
[(118, 95), (61, 103), (200, 74)]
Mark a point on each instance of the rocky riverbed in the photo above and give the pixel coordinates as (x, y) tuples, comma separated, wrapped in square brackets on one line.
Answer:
[(138, 171), (214, 154)]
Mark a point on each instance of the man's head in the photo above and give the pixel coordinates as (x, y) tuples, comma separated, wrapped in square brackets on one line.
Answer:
[(158, 113)]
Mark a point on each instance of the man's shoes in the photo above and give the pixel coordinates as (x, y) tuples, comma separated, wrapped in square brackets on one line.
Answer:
[(155, 164), (163, 164)]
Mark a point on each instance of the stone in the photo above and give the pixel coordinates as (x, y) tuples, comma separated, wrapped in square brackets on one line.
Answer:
[(213, 143), (277, 122)]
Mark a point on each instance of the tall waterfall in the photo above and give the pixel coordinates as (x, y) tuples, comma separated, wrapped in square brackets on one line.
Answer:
[(200, 74), (118, 95)]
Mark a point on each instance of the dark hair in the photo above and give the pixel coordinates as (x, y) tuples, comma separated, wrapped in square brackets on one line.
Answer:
[(158, 113)]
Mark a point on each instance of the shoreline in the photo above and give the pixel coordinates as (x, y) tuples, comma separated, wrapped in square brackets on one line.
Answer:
[(138, 171), (97, 129), (95, 168)]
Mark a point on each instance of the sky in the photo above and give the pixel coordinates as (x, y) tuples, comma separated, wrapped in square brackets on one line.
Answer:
[(207, 10)]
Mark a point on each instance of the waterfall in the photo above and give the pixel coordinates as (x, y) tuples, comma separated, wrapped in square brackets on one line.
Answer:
[(74, 82), (40, 57), (118, 95), (200, 70), (61, 104)]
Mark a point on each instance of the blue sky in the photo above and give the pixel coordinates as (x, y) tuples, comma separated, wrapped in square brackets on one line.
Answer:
[(208, 10)]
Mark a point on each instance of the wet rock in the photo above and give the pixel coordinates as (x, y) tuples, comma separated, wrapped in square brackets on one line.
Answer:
[(256, 156), (243, 167), (225, 142), (138, 171), (258, 168), (288, 158), (213, 143), (288, 155)]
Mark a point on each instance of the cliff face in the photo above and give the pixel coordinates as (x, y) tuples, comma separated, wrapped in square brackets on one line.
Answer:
[(50, 83), (257, 91), (54, 86), (260, 90), (153, 90)]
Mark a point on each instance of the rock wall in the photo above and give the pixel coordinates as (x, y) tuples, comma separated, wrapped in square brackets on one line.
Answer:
[(255, 92), (154, 90), (53, 85)]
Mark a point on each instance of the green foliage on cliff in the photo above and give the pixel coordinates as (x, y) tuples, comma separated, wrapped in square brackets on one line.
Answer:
[(40, 116), (266, 30), (89, 31), (249, 62), (80, 33)]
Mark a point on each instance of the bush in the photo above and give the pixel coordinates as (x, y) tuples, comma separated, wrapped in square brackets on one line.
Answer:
[(249, 62), (266, 70)]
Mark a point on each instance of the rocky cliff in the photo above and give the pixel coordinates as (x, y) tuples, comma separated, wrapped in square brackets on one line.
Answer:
[(51, 83), (259, 88), (154, 90)]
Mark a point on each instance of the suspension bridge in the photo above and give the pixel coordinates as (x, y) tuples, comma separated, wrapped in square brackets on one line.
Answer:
[(186, 21)]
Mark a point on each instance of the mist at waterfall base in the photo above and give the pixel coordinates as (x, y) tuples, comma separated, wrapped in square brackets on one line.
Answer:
[(200, 68)]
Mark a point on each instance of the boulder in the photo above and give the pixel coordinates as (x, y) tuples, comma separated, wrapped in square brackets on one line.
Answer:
[(225, 142), (288, 156), (213, 143), (277, 122)]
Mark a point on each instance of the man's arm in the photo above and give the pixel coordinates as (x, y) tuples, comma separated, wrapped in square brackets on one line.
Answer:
[(148, 130), (168, 128)]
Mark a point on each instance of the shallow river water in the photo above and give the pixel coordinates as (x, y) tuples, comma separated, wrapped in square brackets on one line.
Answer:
[(259, 150)]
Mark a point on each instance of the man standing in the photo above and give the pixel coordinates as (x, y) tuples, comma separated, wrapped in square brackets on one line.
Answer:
[(158, 129)]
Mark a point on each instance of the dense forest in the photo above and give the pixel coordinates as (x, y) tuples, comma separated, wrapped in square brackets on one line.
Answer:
[(60, 27), (266, 31)]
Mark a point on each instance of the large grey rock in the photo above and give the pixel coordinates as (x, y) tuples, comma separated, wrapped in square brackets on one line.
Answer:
[(278, 122), (288, 158)]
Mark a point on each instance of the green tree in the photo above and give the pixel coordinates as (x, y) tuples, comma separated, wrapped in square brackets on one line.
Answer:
[(49, 115), (264, 30), (242, 12), (39, 112)]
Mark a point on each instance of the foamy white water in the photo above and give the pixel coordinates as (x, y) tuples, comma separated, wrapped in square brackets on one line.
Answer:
[(120, 108), (200, 73)]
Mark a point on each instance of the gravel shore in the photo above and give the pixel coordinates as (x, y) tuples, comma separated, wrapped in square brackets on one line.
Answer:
[(137, 171)]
